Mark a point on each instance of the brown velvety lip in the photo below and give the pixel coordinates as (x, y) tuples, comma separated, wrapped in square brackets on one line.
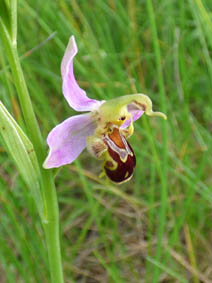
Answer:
[(124, 169)]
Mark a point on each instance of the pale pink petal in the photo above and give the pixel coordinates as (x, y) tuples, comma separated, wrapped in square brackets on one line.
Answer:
[(136, 114), (68, 139), (75, 96)]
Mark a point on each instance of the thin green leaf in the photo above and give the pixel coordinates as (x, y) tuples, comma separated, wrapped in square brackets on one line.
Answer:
[(22, 152)]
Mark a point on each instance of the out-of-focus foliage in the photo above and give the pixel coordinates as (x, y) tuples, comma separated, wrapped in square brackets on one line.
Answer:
[(157, 227)]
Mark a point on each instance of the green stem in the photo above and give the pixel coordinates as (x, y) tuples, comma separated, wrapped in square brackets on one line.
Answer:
[(14, 20), (51, 227), (23, 94), (50, 203)]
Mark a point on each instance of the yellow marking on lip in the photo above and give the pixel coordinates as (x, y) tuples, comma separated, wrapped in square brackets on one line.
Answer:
[(126, 175)]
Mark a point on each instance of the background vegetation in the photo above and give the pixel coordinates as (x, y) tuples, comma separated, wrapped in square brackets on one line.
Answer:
[(157, 227)]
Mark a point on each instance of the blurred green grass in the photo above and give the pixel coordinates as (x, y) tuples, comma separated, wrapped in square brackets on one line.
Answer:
[(157, 227)]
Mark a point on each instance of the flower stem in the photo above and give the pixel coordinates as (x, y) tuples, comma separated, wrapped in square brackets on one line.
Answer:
[(23, 95), (50, 219), (51, 227), (14, 20)]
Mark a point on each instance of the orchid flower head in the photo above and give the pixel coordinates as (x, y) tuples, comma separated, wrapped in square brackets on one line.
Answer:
[(104, 129)]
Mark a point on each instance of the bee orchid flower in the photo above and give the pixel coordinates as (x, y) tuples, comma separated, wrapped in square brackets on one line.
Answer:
[(104, 129)]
